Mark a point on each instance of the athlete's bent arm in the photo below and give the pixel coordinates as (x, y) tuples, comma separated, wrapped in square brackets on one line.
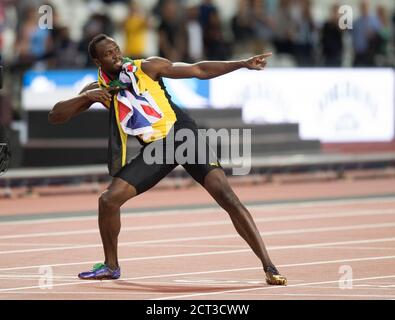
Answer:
[(157, 67), (63, 111)]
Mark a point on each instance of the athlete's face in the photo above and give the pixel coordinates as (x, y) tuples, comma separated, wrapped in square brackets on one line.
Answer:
[(109, 56)]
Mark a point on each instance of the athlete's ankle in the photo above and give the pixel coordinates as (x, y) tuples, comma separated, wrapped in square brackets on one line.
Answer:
[(270, 268), (112, 266)]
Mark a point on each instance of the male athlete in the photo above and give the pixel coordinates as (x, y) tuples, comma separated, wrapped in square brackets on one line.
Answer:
[(138, 84)]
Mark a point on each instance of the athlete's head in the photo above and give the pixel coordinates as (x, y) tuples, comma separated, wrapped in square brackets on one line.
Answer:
[(105, 53)]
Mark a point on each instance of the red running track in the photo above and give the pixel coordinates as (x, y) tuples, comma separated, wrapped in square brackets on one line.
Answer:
[(177, 244)]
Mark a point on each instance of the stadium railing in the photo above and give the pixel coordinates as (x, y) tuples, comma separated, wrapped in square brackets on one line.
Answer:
[(262, 166)]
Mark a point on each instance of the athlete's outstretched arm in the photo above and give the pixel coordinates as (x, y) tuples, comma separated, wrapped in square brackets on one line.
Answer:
[(157, 67), (63, 111)]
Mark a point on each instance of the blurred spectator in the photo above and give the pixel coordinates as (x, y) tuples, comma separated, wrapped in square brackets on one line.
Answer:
[(64, 51), (194, 35), (284, 28), (242, 22), (114, 1), (332, 40), (288, 25), (135, 29), (263, 24), (305, 33), (243, 27), (205, 10), (2, 24), (365, 36), (393, 32), (216, 48), (384, 36), (271, 7), (156, 10), (172, 34), (97, 23), (393, 22), (33, 43), (252, 26)]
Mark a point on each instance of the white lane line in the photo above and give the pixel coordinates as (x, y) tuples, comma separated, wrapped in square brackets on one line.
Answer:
[(316, 287), (189, 211), (140, 245), (301, 246), (362, 248), (367, 296), (215, 272), (355, 288), (43, 292), (327, 215), (243, 246), (193, 246), (223, 292), (375, 286), (35, 280), (34, 276), (32, 244), (227, 236), (167, 283)]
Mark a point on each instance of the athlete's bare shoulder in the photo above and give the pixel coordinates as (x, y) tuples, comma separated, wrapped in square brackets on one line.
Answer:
[(153, 65)]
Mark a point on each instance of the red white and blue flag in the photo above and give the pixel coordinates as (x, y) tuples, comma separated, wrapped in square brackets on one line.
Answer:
[(137, 111)]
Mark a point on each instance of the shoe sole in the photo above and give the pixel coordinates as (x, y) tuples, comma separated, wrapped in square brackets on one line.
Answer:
[(98, 278)]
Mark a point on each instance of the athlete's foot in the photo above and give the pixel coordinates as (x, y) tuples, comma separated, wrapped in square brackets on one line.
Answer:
[(100, 271), (273, 277)]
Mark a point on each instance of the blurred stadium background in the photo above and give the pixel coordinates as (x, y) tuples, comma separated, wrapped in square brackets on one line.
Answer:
[(325, 103)]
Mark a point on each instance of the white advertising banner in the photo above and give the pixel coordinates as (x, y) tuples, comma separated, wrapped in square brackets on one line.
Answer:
[(332, 105)]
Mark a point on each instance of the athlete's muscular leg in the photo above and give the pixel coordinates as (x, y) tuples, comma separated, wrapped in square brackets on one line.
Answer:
[(110, 203), (218, 186)]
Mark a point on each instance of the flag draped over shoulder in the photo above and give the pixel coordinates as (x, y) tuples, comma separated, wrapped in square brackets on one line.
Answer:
[(131, 113)]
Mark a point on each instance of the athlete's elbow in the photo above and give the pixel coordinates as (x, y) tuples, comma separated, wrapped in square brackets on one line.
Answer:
[(203, 76), (54, 117)]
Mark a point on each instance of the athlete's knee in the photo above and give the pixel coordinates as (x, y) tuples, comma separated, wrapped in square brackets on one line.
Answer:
[(108, 200), (116, 195), (231, 199), (226, 197), (222, 192)]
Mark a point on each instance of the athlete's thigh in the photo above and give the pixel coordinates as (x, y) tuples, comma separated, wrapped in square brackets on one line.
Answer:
[(143, 176), (204, 161)]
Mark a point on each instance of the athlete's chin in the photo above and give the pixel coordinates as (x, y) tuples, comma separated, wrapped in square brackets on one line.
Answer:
[(117, 69), (118, 65)]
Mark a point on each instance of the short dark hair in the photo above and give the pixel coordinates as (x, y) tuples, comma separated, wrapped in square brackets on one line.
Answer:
[(92, 44)]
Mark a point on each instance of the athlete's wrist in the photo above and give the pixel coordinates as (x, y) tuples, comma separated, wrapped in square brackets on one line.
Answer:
[(87, 97), (243, 64)]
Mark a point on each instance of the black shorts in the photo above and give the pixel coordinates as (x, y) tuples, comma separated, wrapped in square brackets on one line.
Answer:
[(157, 159)]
